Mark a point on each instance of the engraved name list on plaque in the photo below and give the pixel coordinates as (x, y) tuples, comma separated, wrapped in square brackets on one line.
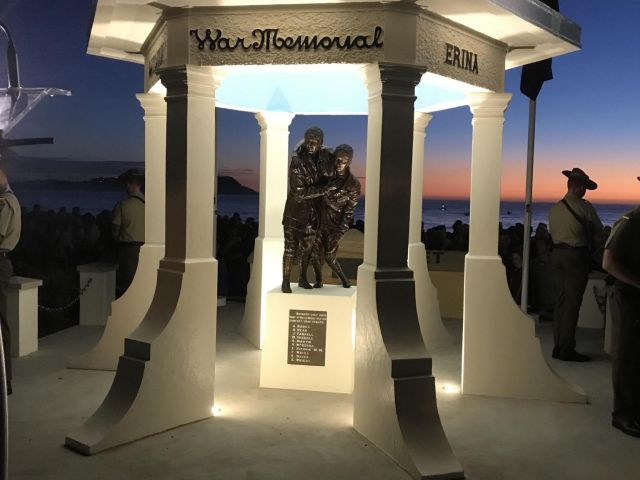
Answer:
[(307, 337)]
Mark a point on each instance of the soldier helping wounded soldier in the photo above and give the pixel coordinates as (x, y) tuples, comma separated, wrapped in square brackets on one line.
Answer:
[(336, 213), (320, 202)]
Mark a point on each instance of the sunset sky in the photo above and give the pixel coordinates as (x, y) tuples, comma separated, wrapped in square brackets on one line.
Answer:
[(587, 115)]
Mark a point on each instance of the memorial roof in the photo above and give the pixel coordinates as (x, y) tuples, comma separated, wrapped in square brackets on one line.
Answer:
[(120, 27), (527, 30)]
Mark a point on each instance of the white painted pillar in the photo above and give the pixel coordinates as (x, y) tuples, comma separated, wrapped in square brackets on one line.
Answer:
[(394, 398), (166, 376), (128, 311), (266, 270), (501, 355), (433, 331)]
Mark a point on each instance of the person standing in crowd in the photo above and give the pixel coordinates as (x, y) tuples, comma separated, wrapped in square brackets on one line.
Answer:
[(574, 225), (10, 226), (622, 261), (128, 229)]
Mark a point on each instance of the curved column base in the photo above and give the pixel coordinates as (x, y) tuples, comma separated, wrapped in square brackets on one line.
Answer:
[(266, 274), (501, 355), (126, 314), (166, 376), (394, 400), (434, 333)]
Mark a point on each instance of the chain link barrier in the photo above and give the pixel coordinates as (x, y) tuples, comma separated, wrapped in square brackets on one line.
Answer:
[(601, 299), (71, 303)]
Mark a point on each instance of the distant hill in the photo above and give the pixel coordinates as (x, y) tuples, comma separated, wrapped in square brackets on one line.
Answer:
[(24, 169), (226, 185), (41, 173), (230, 186)]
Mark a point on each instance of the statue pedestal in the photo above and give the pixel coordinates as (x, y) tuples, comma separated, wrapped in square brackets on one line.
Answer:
[(309, 339)]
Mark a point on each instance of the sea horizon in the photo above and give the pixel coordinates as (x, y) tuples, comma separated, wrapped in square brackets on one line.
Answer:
[(436, 211)]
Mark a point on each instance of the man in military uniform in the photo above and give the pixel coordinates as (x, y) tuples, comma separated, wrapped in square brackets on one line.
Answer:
[(300, 219), (336, 212), (574, 225), (10, 225), (622, 261), (128, 229)]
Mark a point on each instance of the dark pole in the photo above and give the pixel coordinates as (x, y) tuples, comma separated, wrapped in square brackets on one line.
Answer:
[(526, 245), (14, 83)]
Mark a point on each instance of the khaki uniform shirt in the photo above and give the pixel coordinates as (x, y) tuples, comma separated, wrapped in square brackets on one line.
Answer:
[(563, 226), (128, 219), (10, 220), (624, 243)]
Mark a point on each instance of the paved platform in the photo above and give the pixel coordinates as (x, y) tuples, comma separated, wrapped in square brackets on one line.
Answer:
[(265, 434)]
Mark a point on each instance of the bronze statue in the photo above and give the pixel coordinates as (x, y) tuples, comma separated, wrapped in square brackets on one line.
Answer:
[(336, 213), (300, 219)]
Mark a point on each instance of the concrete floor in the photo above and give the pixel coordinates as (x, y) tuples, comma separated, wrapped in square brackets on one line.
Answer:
[(277, 434)]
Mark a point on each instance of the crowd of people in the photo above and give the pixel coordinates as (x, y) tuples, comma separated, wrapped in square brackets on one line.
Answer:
[(54, 243)]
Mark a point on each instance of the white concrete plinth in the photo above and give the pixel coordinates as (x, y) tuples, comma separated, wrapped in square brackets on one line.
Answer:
[(22, 315), (127, 313), (434, 333), (281, 367), (95, 303), (501, 354), (590, 314), (166, 376)]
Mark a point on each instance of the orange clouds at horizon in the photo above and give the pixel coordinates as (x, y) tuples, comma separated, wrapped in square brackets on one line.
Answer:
[(617, 182), (449, 177)]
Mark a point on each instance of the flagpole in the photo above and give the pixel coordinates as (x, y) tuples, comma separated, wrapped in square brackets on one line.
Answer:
[(526, 241)]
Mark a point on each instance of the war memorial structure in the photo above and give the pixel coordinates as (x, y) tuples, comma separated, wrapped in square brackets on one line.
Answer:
[(399, 63)]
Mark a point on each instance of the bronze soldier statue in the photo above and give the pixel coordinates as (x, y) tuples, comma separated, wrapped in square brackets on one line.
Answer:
[(300, 219), (336, 213)]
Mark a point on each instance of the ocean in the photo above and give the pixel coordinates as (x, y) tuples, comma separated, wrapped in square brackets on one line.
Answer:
[(434, 212)]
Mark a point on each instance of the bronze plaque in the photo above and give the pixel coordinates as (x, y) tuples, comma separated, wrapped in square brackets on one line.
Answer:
[(307, 337)]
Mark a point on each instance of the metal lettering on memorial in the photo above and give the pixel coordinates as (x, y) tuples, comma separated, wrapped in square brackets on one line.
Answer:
[(461, 58), (307, 337), (268, 38)]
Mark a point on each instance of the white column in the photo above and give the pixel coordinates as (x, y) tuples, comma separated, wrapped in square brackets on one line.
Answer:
[(421, 121), (266, 270), (501, 355), (433, 331), (128, 311), (394, 398), (166, 376)]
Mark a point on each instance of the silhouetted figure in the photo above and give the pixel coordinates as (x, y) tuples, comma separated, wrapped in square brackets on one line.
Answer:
[(574, 225), (622, 261), (10, 226), (128, 229)]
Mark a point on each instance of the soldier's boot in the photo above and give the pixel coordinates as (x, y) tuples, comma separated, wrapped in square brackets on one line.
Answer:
[(287, 262), (302, 280), (337, 269), (317, 269)]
